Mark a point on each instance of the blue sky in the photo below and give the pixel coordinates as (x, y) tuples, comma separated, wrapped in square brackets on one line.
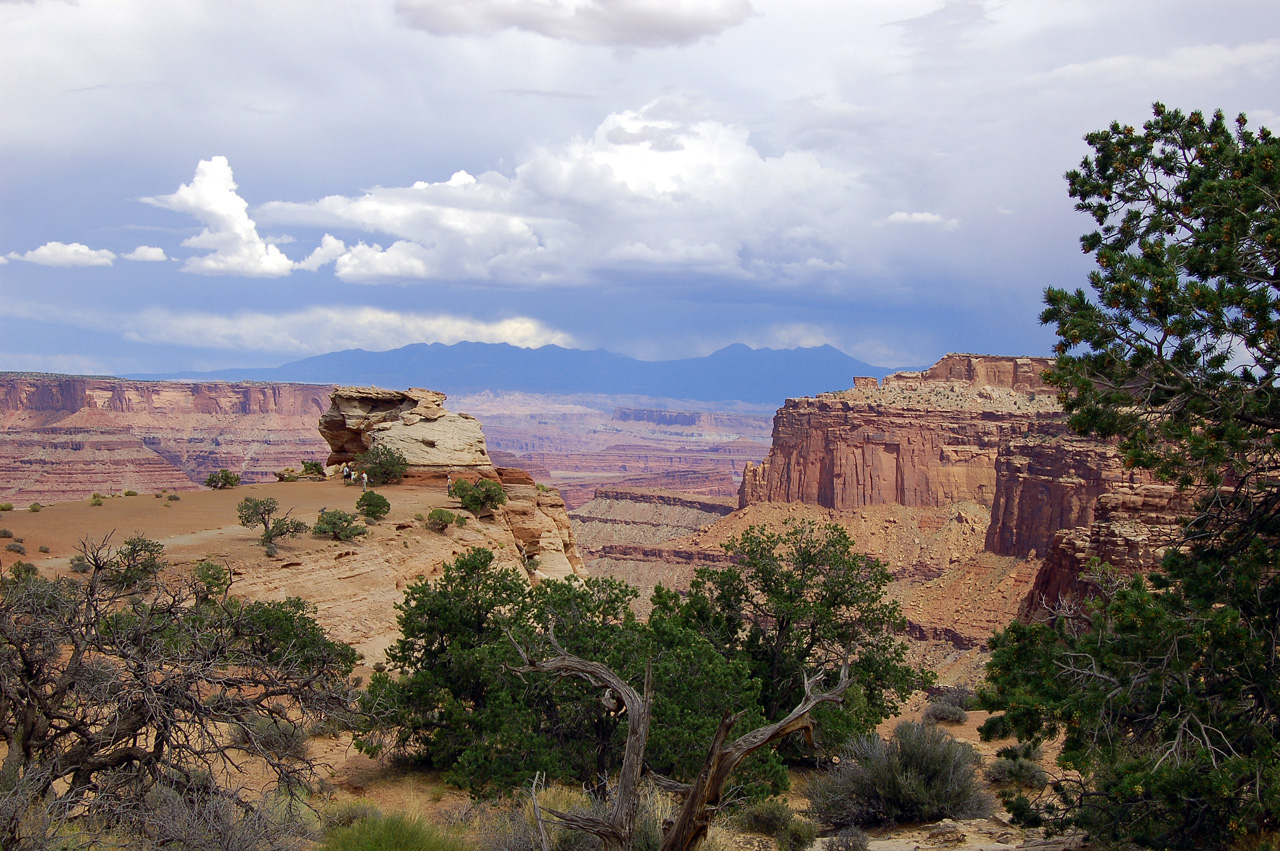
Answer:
[(193, 185)]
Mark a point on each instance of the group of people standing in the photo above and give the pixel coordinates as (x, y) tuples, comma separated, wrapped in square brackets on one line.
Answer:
[(350, 477)]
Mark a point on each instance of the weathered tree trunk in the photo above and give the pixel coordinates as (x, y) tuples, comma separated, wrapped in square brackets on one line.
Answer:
[(703, 797)]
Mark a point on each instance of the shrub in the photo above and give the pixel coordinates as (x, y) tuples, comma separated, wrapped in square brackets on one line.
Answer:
[(278, 737), (350, 812), (6, 506), (1022, 750), (173, 497), (484, 495), (798, 835), (34, 507), (383, 464), (439, 519), (130, 493), (221, 480), (373, 505), (769, 816), (6, 533), (312, 468), (80, 564), (995, 727), (44, 549), (1016, 772), (961, 697), (15, 547), (96, 501), (920, 774), (391, 833), (341, 525), (943, 713), (849, 839)]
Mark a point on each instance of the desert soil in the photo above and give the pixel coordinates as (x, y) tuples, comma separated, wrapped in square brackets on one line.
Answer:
[(355, 586)]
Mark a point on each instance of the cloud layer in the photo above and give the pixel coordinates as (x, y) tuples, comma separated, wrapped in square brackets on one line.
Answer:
[(636, 23)]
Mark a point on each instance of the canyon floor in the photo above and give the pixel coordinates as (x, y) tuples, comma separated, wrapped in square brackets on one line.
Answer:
[(356, 584)]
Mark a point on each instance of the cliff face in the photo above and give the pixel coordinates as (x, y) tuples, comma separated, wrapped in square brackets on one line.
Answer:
[(1133, 526), (64, 437), (973, 429), (919, 439), (413, 422), (1047, 480)]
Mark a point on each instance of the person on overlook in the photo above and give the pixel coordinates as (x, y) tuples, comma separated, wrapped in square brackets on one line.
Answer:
[(364, 481), (346, 474)]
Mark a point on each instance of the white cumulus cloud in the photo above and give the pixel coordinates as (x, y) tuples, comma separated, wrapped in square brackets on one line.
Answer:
[(146, 253), (229, 234), (329, 250), (63, 254), (662, 187), (634, 23), (322, 329)]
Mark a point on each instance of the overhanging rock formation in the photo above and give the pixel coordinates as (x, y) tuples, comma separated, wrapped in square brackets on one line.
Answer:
[(414, 422)]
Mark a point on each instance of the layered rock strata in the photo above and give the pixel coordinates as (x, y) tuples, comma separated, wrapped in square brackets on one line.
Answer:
[(1050, 479), (1133, 526), (64, 437), (922, 439), (413, 422)]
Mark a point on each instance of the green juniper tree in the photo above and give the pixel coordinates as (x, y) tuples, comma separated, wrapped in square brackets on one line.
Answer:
[(1166, 686)]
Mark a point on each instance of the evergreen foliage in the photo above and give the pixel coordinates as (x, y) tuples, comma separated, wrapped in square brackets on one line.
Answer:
[(384, 465), (222, 479), (457, 705), (484, 496), (798, 602), (373, 505), (340, 525), (1165, 686)]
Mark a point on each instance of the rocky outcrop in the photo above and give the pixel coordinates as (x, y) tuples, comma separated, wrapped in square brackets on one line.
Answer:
[(1047, 480), (917, 439), (1133, 526), (643, 517), (64, 437), (413, 422), (540, 524)]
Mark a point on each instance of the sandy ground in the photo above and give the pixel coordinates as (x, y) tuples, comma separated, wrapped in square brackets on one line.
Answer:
[(373, 571)]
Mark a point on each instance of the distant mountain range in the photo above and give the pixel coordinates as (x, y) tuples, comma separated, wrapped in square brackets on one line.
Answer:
[(734, 373)]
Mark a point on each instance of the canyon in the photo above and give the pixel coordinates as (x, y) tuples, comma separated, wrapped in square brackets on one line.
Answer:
[(964, 478), (66, 437)]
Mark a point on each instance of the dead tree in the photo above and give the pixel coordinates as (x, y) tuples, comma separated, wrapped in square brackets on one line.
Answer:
[(703, 797)]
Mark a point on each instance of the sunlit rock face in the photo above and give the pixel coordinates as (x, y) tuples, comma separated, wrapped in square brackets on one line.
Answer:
[(414, 422), (64, 437)]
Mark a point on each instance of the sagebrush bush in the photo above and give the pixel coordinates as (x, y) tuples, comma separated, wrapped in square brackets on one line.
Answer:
[(6, 506), (44, 549), (849, 839), (6, 533), (278, 737), (961, 696), (80, 564), (130, 493), (767, 816), (391, 833), (773, 817), (96, 501), (348, 813), (173, 497), (1016, 772), (34, 507), (919, 774), (15, 547), (943, 713)]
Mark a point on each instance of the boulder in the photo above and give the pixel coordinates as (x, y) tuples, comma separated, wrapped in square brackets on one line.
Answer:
[(413, 422)]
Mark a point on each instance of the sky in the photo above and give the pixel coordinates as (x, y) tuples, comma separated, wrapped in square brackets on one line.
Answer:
[(200, 185)]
